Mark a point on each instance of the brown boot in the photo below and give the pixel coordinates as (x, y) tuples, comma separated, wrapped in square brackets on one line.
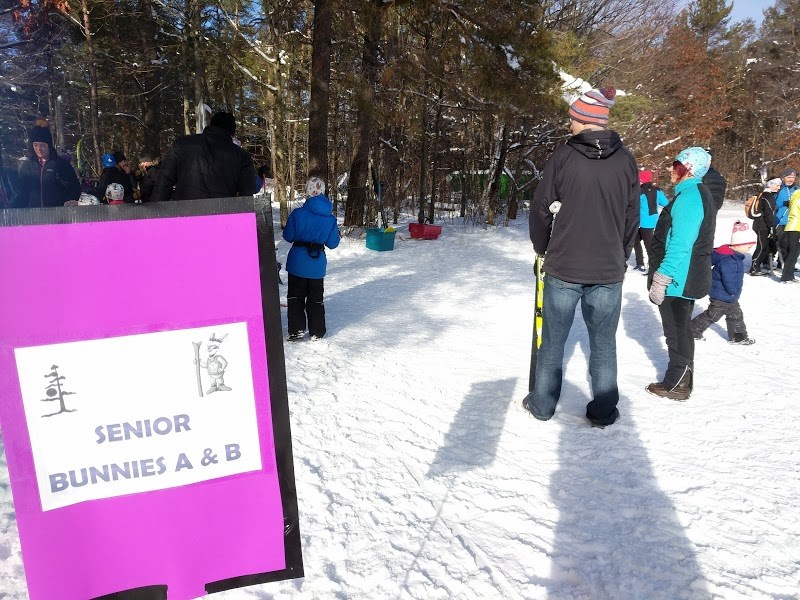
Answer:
[(680, 392)]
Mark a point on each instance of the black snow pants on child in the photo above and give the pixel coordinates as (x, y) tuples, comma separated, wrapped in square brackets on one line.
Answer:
[(734, 319), (305, 297)]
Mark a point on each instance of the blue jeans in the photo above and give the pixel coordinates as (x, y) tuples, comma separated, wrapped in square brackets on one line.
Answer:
[(600, 305)]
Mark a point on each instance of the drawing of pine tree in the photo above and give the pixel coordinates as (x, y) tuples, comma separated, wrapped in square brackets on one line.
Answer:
[(55, 392)]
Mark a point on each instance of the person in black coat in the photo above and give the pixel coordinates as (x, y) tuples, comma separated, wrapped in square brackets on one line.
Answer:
[(584, 218), (206, 165), (716, 184), (764, 227), (149, 168), (45, 179)]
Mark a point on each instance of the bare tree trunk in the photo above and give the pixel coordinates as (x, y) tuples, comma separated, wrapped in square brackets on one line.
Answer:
[(186, 60), (197, 55), (320, 91), (492, 192), (356, 185), (334, 187), (278, 162), (435, 150), (94, 120), (150, 81), (423, 151)]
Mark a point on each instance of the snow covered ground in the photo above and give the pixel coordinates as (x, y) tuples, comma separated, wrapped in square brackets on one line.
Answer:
[(419, 475)]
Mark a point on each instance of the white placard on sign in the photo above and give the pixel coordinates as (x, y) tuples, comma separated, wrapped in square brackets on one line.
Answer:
[(138, 413)]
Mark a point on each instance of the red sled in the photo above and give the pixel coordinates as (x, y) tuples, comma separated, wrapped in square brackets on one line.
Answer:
[(424, 231)]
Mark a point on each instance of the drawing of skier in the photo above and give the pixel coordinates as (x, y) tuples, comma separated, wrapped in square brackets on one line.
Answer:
[(215, 365)]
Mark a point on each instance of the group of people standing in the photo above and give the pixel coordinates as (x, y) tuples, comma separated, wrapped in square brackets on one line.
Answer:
[(590, 208), (210, 164), (206, 165), (776, 221)]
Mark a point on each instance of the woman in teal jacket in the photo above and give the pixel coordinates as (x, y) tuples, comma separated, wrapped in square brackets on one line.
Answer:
[(652, 197), (680, 267)]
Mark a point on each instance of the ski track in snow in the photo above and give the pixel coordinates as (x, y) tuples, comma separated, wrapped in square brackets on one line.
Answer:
[(419, 475)]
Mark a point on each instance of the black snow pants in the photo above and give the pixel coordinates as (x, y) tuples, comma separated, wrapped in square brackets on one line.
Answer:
[(734, 318), (304, 297)]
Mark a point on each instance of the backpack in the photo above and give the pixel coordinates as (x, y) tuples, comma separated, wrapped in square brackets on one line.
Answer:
[(752, 206)]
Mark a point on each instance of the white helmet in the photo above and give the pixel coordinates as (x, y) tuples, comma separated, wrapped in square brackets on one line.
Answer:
[(88, 200), (115, 192)]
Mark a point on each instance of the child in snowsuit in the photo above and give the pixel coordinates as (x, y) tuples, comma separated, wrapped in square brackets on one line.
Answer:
[(727, 278), (310, 229)]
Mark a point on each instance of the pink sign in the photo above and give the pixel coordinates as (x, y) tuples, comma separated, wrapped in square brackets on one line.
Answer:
[(144, 456)]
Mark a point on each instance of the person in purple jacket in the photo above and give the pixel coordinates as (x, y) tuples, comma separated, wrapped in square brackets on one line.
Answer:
[(727, 279), (310, 229)]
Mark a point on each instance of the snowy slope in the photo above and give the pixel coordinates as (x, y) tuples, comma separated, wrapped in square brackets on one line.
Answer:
[(419, 475)]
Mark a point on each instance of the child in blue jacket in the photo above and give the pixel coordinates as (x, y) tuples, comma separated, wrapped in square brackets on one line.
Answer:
[(310, 228), (727, 279)]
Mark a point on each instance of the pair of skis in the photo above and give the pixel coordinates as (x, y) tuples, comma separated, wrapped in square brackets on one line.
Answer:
[(538, 296)]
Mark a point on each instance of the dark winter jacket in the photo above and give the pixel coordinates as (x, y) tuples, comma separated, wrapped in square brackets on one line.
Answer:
[(205, 165), (148, 182), (53, 184), (597, 182), (310, 228), (115, 175), (683, 241), (727, 274), (717, 185), (764, 216)]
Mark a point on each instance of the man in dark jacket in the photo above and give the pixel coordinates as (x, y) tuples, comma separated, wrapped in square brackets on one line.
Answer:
[(45, 179), (716, 184), (592, 182), (149, 168), (206, 165)]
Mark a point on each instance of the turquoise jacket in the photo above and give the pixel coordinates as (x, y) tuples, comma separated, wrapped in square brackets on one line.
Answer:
[(646, 220), (782, 203), (684, 239)]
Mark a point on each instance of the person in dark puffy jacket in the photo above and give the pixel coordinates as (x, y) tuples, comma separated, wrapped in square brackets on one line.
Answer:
[(727, 280), (592, 183), (764, 227), (310, 228), (206, 165), (149, 168), (716, 184), (45, 179)]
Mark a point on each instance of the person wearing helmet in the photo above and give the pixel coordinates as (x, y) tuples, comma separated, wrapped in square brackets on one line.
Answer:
[(115, 194), (114, 165), (88, 200), (680, 267)]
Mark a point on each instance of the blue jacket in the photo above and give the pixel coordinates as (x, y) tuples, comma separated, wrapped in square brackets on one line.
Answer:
[(312, 223), (683, 241), (782, 203), (646, 220), (727, 274)]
